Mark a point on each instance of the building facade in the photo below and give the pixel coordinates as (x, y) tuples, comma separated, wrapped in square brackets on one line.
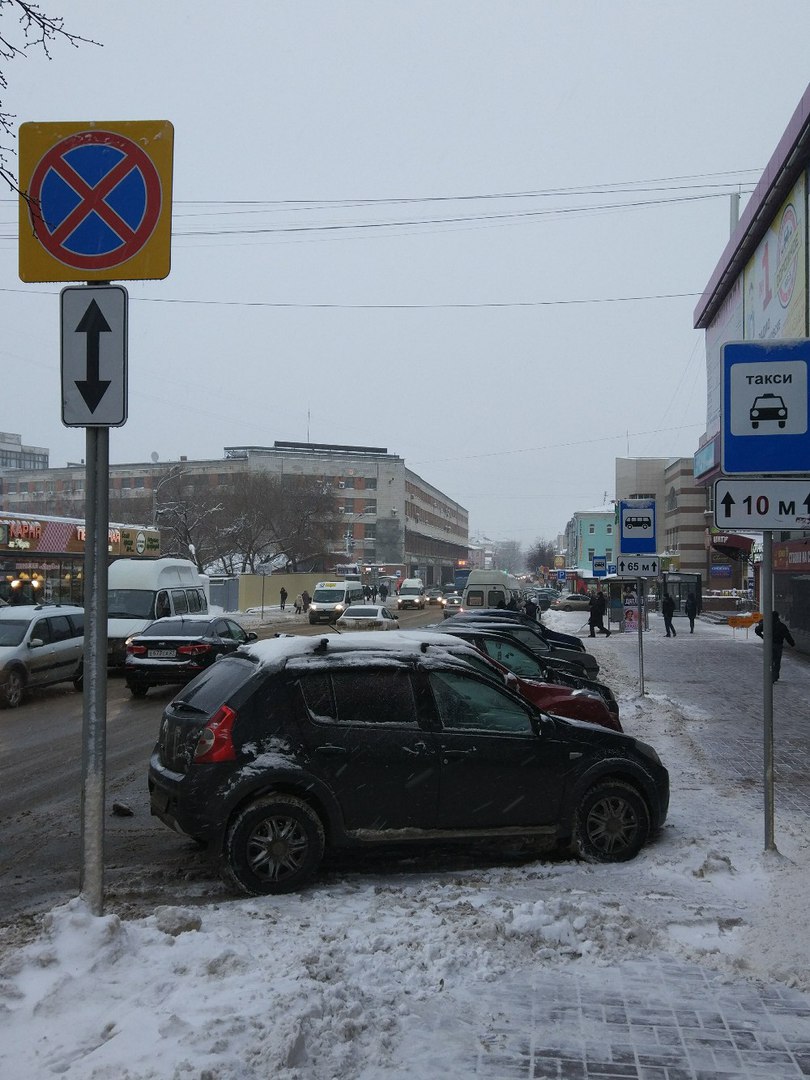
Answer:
[(590, 533), (13, 455), (386, 518)]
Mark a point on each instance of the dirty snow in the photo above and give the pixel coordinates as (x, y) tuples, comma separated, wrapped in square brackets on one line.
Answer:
[(367, 975)]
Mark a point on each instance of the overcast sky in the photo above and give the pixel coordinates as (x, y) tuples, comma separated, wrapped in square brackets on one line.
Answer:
[(536, 195)]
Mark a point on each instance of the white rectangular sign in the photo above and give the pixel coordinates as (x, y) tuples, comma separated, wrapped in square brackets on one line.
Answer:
[(635, 566), (756, 504), (94, 355)]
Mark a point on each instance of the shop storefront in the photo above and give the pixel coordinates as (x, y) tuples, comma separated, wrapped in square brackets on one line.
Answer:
[(42, 558), (791, 587)]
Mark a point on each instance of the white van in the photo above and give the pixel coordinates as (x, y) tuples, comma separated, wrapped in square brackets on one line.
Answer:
[(141, 590), (331, 598), (490, 589), (412, 594)]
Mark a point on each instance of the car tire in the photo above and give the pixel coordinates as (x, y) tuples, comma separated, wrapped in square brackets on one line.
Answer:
[(274, 846), (14, 690), (568, 608), (138, 690), (78, 679), (612, 823)]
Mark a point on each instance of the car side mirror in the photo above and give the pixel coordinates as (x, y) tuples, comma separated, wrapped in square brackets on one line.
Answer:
[(35, 643), (252, 636)]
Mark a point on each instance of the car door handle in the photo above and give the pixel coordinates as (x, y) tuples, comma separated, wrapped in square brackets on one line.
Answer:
[(331, 751), (457, 755), (417, 749)]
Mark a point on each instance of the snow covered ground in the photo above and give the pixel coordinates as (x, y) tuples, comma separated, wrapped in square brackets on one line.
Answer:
[(398, 972)]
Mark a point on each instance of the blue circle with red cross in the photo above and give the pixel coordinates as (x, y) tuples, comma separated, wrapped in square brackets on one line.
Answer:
[(94, 199)]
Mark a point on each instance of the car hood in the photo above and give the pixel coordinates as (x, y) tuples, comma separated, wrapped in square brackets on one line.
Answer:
[(124, 628)]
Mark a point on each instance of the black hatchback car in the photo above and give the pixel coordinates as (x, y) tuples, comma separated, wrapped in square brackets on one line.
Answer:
[(175, 649), (296, 745)]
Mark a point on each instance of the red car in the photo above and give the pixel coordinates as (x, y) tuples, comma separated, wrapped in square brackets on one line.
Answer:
[(560, 700)]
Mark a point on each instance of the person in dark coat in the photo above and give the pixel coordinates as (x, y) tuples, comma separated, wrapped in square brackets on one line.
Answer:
[(781, 634), (307, 599), (691, 611), (383, 592), (531, 608), (282, 592), (597, 607), (668, 610)]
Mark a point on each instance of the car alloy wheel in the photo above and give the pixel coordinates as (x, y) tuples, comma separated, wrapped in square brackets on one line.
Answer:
[(612, 823), (138, 690), (274, 846), (14, 690)]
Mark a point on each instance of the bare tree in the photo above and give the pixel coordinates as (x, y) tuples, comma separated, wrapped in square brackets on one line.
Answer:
[(541, 553), (508, 556), (265, 517), (25, 27), (189, 516)]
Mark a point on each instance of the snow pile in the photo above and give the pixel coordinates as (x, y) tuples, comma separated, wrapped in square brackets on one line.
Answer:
[(395, 973)]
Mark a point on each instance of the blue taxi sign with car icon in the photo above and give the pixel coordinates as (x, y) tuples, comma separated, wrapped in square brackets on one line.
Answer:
[(764, 408)]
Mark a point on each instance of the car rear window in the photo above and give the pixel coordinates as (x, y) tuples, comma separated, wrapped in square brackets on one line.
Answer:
[(360, 696), (360, 613), (217, 684), (177, 627)]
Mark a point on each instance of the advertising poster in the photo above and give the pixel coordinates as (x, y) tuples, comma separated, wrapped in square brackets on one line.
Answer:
[(775, 294)]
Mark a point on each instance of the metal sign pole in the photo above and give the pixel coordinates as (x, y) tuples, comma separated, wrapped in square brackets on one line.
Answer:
[(639, 617), (767, 685), (94, 732)]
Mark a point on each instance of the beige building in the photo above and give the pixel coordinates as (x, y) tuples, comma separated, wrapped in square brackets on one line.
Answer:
[(384, 513)]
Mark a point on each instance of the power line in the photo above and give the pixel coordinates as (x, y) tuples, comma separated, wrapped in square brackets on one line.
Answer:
[(495, 304)]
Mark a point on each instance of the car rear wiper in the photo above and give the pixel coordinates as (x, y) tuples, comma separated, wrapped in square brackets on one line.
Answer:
[(179, 703)]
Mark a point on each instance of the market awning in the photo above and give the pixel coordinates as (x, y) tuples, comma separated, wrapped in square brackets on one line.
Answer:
[(732, 545)]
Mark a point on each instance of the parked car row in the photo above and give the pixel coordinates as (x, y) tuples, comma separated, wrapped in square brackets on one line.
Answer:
[(483, 727)]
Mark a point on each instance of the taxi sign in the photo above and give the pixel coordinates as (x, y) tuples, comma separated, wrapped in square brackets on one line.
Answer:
[(96, 200)]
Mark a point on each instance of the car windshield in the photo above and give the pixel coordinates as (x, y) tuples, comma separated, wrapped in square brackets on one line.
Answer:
[(130, 604), (323, 596), (410, 590), (12, 633)]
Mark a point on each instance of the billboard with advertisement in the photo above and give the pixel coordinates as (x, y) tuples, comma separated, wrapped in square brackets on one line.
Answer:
[(768, 301), (775, 293)]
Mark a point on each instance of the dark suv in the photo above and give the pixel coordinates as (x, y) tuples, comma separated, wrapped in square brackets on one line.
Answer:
[(295, 745)]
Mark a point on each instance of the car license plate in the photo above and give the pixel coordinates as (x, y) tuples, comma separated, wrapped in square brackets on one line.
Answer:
[(161, 654)]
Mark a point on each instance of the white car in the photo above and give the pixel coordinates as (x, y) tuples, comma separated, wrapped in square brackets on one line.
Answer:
[(367, 617)]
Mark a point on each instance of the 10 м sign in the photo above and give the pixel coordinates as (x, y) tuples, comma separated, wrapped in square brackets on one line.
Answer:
[(762, 504)]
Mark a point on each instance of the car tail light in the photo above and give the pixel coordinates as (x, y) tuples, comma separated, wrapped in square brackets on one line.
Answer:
[(136, 650), (196, 649), (216, 740)]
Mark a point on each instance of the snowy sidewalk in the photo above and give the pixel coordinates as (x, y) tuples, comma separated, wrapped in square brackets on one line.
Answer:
[(691, 962)]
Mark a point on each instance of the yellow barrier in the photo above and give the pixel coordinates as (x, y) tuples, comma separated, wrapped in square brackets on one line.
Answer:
[(743, 622)]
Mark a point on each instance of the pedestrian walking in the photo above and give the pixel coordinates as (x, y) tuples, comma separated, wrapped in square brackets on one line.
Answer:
[(374, 593), (367, 594), (383, 592), (597, 606), (306, 600), (283, 597), (668, 610), (781, 634), (531, 608), (691, 611), (298, 604)]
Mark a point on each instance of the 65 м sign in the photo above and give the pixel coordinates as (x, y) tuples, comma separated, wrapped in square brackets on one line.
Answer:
[(761, 504)]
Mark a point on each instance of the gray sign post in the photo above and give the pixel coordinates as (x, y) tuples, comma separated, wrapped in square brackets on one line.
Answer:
[(94, 396)]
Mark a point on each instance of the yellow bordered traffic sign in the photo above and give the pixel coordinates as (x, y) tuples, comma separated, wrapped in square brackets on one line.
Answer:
[(96, 201)]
